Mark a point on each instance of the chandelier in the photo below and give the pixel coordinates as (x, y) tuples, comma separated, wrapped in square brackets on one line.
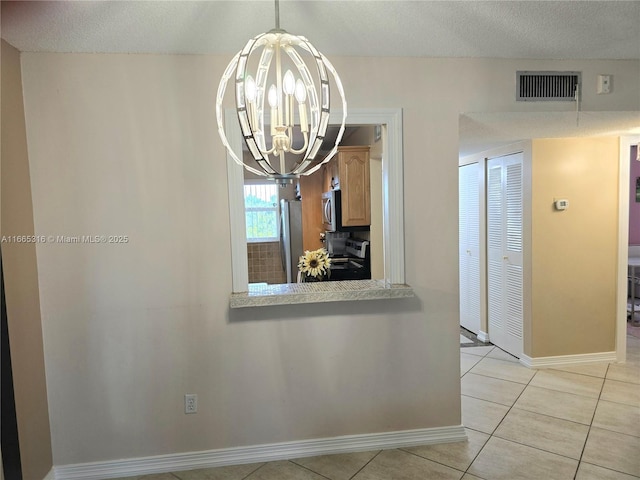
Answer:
[(283, 141)]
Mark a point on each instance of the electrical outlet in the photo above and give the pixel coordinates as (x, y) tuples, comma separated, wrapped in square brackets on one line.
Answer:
[(190, 403)]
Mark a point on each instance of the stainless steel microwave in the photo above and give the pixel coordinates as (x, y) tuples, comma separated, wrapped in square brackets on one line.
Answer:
[(331, 211)]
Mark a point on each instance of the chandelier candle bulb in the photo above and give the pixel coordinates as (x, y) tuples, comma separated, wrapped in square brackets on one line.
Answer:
[(250, 93), (289, 87), (250, 89), (289, 83)]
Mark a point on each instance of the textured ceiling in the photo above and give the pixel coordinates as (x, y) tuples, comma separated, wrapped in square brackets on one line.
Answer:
[(495, 29), (499, 29)]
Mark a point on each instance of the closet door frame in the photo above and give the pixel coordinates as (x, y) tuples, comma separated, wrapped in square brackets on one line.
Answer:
[(482, 157), (505, 279), (469, 251)]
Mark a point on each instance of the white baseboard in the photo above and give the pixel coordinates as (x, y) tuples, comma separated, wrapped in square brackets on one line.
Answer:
[(51, 475), (258, 453), (483, 336), (567, 360)]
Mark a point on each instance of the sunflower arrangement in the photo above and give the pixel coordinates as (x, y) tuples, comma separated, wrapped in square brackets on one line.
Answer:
[(315, 263)]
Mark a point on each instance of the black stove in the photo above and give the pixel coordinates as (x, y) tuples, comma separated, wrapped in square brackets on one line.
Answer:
[(354, 264)]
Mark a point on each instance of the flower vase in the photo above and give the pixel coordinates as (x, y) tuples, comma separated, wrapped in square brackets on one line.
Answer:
[(311, 278)]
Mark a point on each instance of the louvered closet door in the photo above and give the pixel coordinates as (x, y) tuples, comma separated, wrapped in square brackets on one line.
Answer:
[(504, 252), (469, 242)]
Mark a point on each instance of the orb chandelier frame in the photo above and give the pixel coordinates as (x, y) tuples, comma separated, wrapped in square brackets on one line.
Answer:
[(281, 159)]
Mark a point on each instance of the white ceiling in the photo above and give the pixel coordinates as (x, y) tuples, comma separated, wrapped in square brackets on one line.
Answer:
[(495, 29), (498, 29)]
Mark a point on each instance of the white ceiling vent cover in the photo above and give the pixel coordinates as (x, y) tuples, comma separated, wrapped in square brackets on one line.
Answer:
[(546, 86)]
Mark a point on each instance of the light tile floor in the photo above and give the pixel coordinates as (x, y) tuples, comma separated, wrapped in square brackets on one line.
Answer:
[(579, 423)]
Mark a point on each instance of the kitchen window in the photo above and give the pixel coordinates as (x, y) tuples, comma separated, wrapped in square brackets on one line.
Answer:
[(261, 212)]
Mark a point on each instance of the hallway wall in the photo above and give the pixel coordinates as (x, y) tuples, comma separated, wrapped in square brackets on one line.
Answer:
[(21, 278), (575, 251)]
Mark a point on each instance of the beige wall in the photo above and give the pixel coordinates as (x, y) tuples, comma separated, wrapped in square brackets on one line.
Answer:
[(21, 278), (126, 144), (574, 252)]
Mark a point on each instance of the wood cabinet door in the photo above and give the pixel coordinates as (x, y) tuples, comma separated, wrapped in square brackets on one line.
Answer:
[(355, 186), (334, 170), (330, 173), (311, 191)]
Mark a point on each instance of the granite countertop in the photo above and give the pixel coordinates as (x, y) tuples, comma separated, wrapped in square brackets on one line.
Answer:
[(260, 295)]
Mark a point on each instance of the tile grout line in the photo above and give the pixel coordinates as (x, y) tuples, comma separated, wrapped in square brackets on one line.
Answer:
[(490, 401), (480, 346), (491, 434), (496, 378), (571, 393), (536, 413), (372, 458), (497, 426), (308, 469), (537, 448), (556, 369), (562, 391), (254, 471), (430, 460), (609, 469), (480, 356), (552, 416), (586, 439)]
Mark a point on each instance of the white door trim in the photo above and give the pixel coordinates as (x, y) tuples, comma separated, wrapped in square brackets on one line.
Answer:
[(623, 243), (392, 195), (469, 251)]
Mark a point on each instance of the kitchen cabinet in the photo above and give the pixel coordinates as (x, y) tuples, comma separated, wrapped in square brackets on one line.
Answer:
[(330, 180), (311, 188), (353, 178), (347, 171)]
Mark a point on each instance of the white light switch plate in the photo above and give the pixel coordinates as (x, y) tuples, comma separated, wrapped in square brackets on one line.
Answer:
[(604, 84)]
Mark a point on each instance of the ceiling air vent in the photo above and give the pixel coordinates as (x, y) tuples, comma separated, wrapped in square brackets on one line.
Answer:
[(544, 86)]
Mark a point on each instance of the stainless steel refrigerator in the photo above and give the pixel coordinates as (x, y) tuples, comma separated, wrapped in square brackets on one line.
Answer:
[(291, 237)]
